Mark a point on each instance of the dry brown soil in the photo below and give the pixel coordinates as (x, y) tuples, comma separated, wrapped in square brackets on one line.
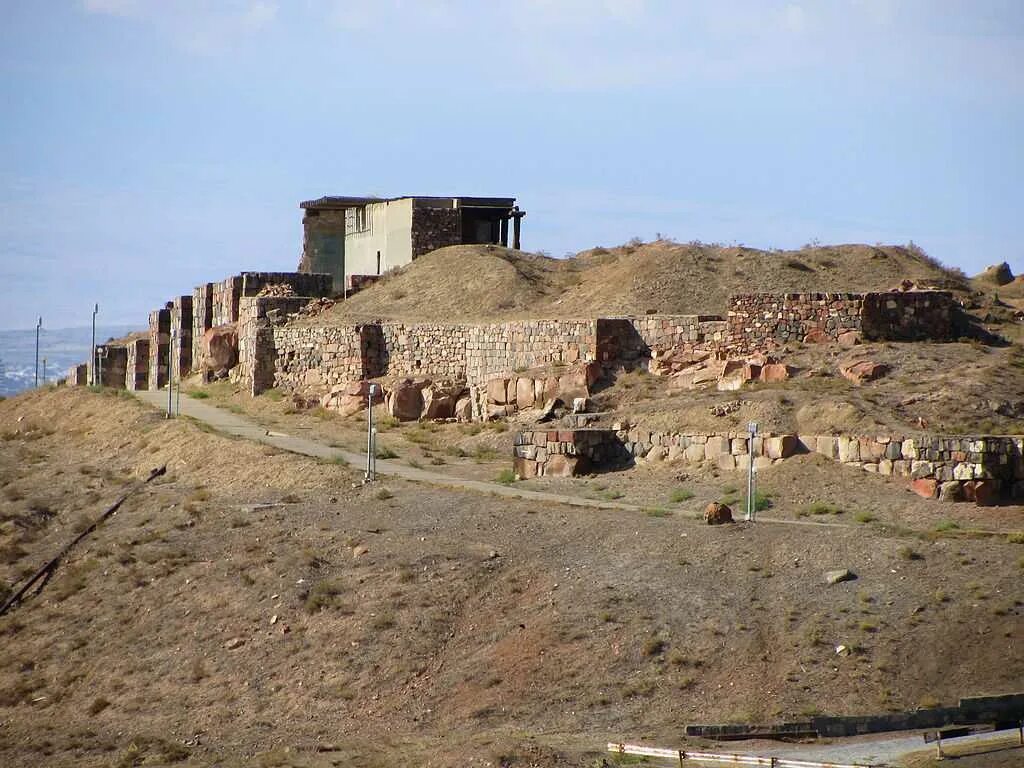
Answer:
[(417, 625)]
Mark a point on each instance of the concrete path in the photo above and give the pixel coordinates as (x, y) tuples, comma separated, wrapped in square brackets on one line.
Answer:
[(230, 423)]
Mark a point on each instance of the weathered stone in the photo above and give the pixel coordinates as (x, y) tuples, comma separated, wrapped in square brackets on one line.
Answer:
[(863, 371), (726, 461), (405, 400), (817, 336), (525, 393), (524, 468), (848, 449), (463, 409), (716, 446), (694, 452), (220, 347), (925, 487), (439, 400), (781, 447), (560, 465), (497, 391), (951, 491), (826, 446), (717, 514), (773, 372)]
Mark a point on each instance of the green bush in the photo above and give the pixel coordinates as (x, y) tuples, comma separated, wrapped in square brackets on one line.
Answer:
[(679, 495), (506, 477)]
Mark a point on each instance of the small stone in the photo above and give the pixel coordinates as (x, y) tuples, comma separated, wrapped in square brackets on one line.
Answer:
[(840, 575), (233, 643), (273, 620)]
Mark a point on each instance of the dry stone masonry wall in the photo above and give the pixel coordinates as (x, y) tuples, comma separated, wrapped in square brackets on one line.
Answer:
[(137, 365), (159, 339), (434, 228)]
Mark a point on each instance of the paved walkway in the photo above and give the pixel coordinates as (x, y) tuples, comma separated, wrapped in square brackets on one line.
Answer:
[(230, 423)]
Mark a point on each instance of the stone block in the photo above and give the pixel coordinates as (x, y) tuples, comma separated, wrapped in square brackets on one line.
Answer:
[(781, 447), (726, 461), (848, 449), (827, 447), (925, 487), (738, 446), (952, 490), (561, 465), (694, 452), (716, 446), (497, 391), (525, 393), (524, 468)]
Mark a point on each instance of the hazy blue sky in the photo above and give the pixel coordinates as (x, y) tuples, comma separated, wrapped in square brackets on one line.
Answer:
[(148, 146)]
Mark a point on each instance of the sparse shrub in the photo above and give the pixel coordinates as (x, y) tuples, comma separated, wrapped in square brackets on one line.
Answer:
[(679, 495), (383, 452), (383, 494), (941, 596), (323, 594), (868, 626), (659, 512), (654, 646), (944, 526), (864, 517), (415, 464), (824, 508), (98, 705), (909, 553), (197, 394), (506, 477), (1015, 538), (383, 621), (291, 498)]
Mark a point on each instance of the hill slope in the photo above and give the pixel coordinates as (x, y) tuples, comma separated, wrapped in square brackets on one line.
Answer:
[(254, 600), (472, 282)]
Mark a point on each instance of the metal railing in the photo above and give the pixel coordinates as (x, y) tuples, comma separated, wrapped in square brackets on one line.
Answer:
[(729, 759)]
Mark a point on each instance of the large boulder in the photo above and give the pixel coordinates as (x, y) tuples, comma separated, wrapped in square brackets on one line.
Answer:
[(405, 400), (773, 372), (497, 391), (717, 514), (463, 409), (526, 393), (220, 347), (439, 399)]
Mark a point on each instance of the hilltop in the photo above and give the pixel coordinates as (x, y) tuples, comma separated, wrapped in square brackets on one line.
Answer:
[(484, 282)]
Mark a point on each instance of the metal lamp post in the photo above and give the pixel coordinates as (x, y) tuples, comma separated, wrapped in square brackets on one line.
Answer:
[(92, 368), (38, 326), (751, 485), (371, 433), (44, 370)]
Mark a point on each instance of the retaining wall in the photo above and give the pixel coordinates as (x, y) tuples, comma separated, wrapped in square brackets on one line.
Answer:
[(159, 339), (136, 376)]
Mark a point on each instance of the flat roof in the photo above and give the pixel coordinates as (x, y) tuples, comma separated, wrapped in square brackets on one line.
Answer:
[(336, 202)]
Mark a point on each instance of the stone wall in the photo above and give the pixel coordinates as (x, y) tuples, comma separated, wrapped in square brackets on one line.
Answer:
[(159, 341), (314, 284), (202, 321), (496, 349), (226, 295), (909, 316), (136, 375), (565, 453), (181, 336), (112, 362), (316, 361), (629, 341), (761, 321), (78, 375), (434, 228), (257, 348), (955, 468)]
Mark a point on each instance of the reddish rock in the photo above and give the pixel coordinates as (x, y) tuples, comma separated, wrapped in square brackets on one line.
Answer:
[(848, 339), (863, 370), (439, 400), (982, 492), (717, 514), (220, 347), (817, 336), (925, 487), (775, 372), (405, 401)]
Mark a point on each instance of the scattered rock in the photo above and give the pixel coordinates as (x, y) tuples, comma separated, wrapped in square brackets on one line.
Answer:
[(359, 550), (405, 401), (717, 514), (863, 370), (775, 372), (839, 575), (234, 643), (951, 491), (817, 336), (724, 409)]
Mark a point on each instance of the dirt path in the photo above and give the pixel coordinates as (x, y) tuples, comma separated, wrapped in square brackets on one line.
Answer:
[(233, 424)]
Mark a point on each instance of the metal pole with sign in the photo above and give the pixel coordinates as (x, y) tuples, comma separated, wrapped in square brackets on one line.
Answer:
[(752, 431)]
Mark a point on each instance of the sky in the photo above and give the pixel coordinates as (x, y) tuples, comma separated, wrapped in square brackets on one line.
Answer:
[(147, 146)]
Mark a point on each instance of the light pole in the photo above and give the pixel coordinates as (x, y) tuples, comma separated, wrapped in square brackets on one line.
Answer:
[(752, 429), (371, 459), (44, 370), (38, 326), (92, 367)]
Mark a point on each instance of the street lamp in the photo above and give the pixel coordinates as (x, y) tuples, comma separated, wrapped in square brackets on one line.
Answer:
[(38, 326), (371, 434), (92, 366)]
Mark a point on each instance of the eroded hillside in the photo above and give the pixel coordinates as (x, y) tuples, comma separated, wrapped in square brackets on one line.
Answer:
[(253, 601)]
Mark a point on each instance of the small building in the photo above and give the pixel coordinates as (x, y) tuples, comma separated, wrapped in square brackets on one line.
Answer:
[(351, 237)]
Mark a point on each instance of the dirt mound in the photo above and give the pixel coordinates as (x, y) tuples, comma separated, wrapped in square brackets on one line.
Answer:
[(480, 282)]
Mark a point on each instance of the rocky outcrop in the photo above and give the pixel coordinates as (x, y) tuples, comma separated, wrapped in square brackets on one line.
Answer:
[(717, 514), (863, 371)]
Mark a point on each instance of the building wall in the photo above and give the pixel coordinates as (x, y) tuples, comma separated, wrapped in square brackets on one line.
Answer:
[(434, 227), (226, 295), (389, 232), (908, 316), (202, 321), (323, 245)]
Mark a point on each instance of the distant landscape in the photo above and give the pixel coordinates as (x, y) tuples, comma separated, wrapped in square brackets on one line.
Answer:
[(62, 348)]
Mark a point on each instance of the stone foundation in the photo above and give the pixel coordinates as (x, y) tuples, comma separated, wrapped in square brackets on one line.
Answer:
[(78, 375), (565, 453)]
